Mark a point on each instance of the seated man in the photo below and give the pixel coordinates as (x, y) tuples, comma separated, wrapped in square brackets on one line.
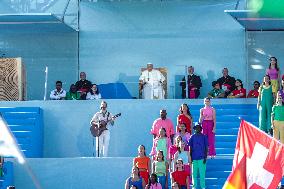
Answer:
[(216, 92), (73, 94), (83, 85), (194, 84), (227, 83), (151, 82), (58, 93), (254, 92)]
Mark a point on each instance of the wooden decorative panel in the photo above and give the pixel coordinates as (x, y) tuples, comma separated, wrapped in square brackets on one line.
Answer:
[(12, 79)]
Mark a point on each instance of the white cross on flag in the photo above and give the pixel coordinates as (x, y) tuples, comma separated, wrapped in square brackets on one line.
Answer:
[(258, 161)]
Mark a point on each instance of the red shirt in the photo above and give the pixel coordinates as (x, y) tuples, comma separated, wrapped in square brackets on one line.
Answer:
[(237, 92), (253, 94), (187, 121), (180, 177)]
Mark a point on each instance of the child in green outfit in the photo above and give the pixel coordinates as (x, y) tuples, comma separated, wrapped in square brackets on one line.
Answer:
[(277, 119)]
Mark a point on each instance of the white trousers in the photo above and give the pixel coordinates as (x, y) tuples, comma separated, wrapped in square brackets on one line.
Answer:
[(150, 92), (102, 142)]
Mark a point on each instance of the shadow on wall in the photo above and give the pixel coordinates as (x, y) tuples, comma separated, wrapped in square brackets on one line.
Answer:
[(178, 89), (131, 83), (207, 83)]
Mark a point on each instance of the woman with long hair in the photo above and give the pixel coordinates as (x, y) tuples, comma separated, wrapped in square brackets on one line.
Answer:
[(185, 157), (180, 176), (274, 74), (143, 163), (135, 179), (239, 92), (94, 93), (185, 117), (264, 105), (208, 121), (183, 132), (161, 169), (163, 143)]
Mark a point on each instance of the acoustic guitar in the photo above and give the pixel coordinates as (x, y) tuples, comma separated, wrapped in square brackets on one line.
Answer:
[(98, 128)]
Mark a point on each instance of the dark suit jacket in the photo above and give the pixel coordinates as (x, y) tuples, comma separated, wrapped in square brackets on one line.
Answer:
[(192, 81), (229, 81)]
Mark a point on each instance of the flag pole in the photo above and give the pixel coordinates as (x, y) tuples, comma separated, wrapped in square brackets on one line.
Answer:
[(45, 83)]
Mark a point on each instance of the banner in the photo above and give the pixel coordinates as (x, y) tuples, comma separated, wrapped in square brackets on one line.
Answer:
[(258, 161)]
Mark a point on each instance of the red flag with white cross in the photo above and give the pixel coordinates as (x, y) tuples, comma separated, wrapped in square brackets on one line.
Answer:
[(258, 160)]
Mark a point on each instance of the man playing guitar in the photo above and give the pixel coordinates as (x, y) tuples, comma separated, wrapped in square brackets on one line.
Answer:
[(103, 136)]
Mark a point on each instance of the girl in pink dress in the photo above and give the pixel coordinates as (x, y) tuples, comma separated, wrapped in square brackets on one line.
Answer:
[(208, 120)]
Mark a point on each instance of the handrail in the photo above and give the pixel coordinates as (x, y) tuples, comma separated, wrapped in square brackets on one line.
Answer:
[(237, 5), (65, 9)]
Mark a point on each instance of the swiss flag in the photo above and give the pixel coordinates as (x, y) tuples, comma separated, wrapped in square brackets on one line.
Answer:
[(258, 161)]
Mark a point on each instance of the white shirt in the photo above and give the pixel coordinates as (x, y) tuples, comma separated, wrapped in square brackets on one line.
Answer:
[(153, 77), (153, 88), (55, 95), (93, 97), (100, 116)]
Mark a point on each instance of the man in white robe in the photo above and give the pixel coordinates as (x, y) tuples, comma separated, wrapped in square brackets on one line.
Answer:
[(152, 82)]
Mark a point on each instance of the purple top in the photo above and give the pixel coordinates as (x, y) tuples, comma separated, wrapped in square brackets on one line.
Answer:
[(198, 144), (273, 73), (282, 94)]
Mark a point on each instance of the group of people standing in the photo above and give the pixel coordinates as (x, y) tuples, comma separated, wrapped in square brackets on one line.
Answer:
[(81, 90), (176, 153), (270, 102)]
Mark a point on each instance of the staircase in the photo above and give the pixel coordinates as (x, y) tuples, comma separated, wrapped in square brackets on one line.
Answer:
[(26, 123), (228, 121), (8, 174)]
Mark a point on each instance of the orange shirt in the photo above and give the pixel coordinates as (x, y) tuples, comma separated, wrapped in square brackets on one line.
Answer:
[(142, 162)]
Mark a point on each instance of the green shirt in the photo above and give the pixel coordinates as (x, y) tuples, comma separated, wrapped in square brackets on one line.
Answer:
[(278, 112), (216, 92), (162, 145), (72, 96)]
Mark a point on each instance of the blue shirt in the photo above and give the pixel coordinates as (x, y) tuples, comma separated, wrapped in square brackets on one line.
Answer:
[(138, 183), (198, 144)]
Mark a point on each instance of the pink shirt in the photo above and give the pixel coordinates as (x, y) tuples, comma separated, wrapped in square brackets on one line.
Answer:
[(207, 113), (155, 186), (167, 124), (273, 73)]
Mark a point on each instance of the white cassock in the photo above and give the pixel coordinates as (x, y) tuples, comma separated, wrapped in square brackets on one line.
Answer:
[(153, 88)]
